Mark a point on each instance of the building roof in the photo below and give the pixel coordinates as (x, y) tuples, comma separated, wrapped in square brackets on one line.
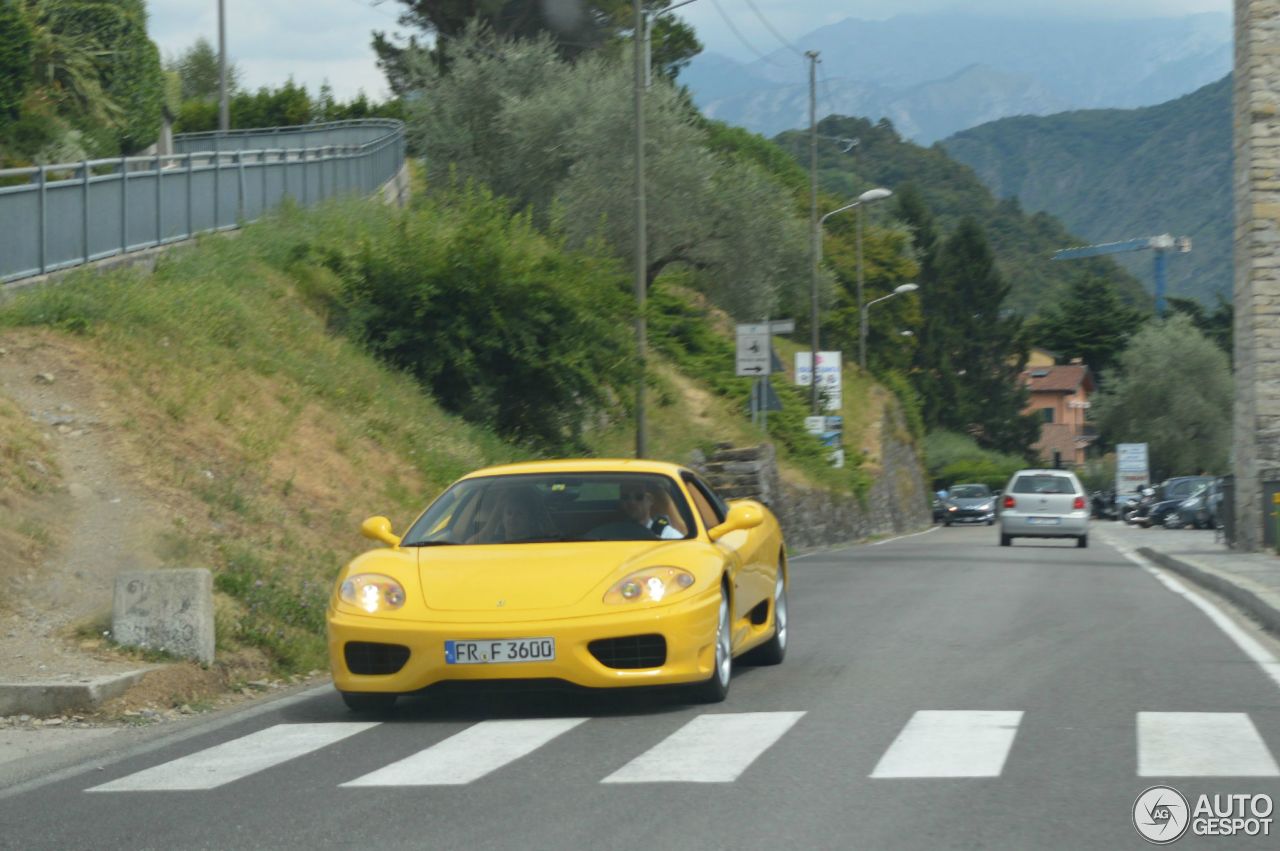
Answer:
[(1058, 379)]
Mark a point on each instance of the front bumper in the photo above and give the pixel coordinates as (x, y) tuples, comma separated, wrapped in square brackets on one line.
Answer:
[(962, 516), (689, 629)]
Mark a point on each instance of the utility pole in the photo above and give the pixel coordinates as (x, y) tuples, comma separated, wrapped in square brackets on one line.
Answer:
[(224, 110), (814, 235), (641, 246)]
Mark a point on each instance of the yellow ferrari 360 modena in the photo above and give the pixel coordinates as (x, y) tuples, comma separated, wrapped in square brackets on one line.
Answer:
[(597, 573)]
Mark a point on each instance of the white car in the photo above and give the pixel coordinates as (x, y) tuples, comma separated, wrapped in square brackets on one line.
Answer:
[(1044, 504)]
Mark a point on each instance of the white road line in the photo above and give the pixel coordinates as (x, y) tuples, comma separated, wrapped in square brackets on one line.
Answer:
[(1202, 744), (709, 749), (221, 764), (471, 754), (951, 744), (903, 537), (1246, 642)]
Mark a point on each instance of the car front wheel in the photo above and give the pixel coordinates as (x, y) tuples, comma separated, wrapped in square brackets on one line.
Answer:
[(716, 688), (1082, 541), (1006, 540)]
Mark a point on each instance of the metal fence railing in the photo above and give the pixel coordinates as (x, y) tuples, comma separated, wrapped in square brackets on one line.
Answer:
[(56, 216)]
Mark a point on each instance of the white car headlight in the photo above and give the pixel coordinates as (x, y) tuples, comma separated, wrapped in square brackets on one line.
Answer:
[(986, 506), (653, 584), (372, 592)]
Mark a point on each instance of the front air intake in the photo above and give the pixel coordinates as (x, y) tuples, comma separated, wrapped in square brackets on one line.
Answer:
[(369, 658), (632, 651)]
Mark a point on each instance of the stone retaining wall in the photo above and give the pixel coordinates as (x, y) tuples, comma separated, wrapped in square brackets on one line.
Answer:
[(897, 502)]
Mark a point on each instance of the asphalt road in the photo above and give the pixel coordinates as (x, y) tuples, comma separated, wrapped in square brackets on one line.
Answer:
[(940, 692)]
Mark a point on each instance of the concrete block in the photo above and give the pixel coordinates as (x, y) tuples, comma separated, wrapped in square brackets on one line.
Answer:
[(170, 610)]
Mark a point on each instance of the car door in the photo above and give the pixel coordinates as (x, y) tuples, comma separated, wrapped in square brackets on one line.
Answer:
[(739, 547)]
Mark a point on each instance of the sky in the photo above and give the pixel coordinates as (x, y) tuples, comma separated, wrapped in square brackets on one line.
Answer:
[(314, 41)]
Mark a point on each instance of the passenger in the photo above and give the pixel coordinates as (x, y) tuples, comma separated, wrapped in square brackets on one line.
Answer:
[(636, 502)]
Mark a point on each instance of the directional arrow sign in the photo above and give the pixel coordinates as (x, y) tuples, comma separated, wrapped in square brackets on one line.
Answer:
[(753, 350)]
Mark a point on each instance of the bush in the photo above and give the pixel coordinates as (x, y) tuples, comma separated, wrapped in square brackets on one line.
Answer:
[(502, 324), (952, 458)]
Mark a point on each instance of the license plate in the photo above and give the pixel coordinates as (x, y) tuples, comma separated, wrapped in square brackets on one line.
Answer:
[(499, 650), (1043, 521)]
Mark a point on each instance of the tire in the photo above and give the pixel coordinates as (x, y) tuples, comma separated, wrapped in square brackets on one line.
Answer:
[(773, 651), (947, 523), (1006, 540), (991, 522), (368, 703), (716, 688), (1082, 542)]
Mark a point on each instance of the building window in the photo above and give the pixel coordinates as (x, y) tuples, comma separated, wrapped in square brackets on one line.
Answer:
[(1046, 415)]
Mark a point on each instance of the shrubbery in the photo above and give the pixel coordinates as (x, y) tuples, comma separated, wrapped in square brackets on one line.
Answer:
[(956, 458)]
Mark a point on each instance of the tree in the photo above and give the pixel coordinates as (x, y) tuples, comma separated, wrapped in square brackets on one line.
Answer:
[(545, 133), (1172, 391), (576, 27), (1089, 321), (1218, 326), (198, 68), (971, 349), (16, 43)]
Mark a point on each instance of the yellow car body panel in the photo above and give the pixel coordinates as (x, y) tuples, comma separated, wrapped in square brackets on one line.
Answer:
[(556, 590)]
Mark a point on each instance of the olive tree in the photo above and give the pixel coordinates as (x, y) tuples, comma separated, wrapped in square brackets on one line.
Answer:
[(1172, 391), (557, 137)]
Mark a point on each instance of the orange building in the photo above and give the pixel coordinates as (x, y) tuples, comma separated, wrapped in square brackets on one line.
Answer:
[(1059, 396)]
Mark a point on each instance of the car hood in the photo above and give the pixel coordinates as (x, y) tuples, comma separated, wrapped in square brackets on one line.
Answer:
[(972, 501), (517, 577)]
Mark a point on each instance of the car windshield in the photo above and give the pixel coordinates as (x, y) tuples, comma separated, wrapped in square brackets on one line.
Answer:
[(970, 492), (553, 507), (1046, 483)]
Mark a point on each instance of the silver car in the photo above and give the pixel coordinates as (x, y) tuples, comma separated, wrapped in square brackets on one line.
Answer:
[(1044, 504)]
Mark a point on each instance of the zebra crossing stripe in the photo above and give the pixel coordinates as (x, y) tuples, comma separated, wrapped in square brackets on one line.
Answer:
[(221, 764), (471, 754), (709, 749), (951, 744), (1202, 744)]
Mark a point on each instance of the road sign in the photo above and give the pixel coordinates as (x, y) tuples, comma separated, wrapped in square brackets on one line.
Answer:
[(782, 326), (1131, 468), (753, 350), (829, 384)]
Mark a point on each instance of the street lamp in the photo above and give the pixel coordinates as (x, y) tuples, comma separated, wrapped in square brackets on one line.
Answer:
[(865, 198), (862, 328)]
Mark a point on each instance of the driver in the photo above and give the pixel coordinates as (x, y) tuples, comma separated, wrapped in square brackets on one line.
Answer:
[(637, 505)]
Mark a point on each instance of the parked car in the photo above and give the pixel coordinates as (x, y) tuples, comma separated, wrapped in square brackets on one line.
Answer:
[(969, 504), (1044, 504), (1168, 496), (1194, 511)]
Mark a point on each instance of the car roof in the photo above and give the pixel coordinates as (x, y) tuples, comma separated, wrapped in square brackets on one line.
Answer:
[(581, 465)]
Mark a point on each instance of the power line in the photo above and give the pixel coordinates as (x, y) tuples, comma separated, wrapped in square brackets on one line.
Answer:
[(734, 29), (770, 27)]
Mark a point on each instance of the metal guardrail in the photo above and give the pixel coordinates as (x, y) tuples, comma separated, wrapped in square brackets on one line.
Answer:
[(57, 216)]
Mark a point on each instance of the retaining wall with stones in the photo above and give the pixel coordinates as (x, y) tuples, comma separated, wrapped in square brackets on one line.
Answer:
[(898, 501)]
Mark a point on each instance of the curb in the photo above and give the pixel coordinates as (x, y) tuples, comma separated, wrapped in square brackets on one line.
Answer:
[(1232, 588), (58, 698)]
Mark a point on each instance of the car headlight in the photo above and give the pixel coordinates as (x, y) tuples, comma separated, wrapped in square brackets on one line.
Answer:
[(951, 508), (372, 592), (986, 506), (653, 584)]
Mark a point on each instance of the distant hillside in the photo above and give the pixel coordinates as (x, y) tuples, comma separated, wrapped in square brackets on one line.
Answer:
[(1114, 174), (1023, 243), (935, 74)]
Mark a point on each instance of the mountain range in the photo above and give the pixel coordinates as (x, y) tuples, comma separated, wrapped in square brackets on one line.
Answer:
[(1114, 175), (933, 75)]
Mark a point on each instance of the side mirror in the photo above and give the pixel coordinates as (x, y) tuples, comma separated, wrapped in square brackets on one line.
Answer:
[(379, 529), (746, 514)]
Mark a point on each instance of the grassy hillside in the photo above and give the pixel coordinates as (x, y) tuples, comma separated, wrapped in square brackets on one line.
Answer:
[(1023, 242), (262, 432), (1116, 174)]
